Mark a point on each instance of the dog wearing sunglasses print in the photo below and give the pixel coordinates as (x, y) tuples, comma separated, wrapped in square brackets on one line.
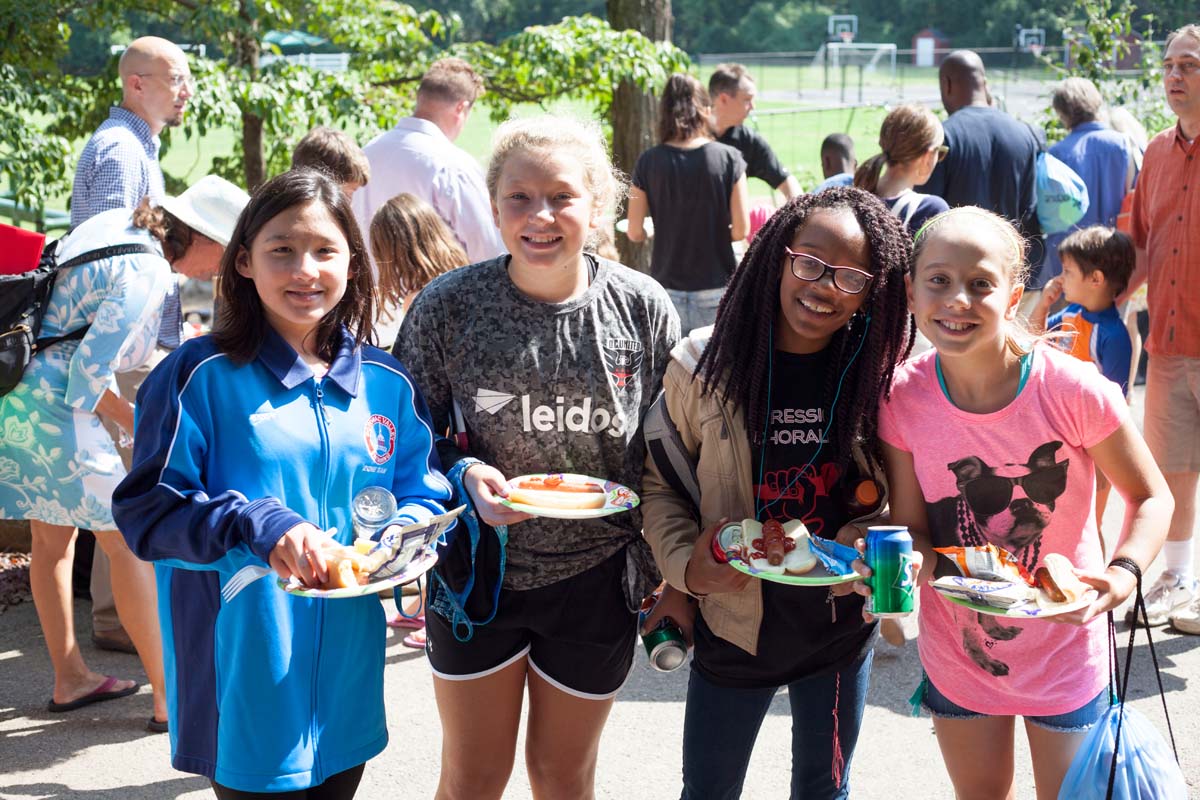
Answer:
[(1008, 506)]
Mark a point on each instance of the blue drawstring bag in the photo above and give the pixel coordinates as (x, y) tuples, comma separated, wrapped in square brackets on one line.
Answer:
[(1124, 757), (1062, 196)]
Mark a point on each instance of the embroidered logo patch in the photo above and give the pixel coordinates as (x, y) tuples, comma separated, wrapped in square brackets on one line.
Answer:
[(623, 357), (380, 437)]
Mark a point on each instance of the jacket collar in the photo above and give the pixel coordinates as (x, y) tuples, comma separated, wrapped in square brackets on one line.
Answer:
[(290, 370)]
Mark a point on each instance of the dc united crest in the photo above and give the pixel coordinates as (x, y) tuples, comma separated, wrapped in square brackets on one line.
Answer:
[(379, 434), (623, 359)]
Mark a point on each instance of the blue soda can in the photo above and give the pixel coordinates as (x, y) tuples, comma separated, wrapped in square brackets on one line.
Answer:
[(893, 579)]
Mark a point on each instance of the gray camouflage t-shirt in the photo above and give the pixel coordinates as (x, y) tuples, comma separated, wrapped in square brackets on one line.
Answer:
[(545, 387)]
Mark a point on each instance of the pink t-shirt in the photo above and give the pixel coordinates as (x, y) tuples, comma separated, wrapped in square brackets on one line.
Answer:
[(995, 665)]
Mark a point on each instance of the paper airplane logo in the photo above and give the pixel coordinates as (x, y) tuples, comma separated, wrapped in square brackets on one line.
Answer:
[(491, 401)]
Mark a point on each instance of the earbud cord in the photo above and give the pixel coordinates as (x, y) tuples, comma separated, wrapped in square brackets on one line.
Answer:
[(759, 509)]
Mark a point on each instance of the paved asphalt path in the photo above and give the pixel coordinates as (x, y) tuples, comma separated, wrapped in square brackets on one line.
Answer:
[(102, 752)]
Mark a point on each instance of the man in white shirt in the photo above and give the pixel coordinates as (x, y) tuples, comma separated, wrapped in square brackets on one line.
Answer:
[(418, 157)]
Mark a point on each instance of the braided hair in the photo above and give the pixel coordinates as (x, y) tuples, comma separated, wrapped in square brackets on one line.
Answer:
[(738, 357)]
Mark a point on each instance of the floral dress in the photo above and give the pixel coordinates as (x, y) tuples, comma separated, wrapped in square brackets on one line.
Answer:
[(57, 462)]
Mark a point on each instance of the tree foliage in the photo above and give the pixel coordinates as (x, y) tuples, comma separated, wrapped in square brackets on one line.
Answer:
[(1099, 34), (45, 109), (718, 26)]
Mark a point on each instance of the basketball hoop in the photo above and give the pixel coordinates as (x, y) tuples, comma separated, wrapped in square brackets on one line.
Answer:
[(1036, 49), (847, 36)]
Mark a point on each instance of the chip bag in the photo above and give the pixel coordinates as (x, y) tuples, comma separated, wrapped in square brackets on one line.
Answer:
[(990, 563)]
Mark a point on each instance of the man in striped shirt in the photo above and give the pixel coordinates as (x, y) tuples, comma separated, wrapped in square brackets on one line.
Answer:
[(118, 167)]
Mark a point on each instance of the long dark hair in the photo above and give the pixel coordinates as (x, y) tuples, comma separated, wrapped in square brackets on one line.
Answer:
[(241, 325), (683, 108), (738, 356)]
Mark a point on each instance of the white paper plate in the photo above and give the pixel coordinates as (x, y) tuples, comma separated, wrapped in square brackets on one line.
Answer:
[(1027, 610), (617, 498), (413, 570)]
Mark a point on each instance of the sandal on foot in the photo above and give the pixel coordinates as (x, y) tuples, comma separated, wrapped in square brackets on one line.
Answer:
[(401, 621), (157, 725), (104, 691), (415, 640)]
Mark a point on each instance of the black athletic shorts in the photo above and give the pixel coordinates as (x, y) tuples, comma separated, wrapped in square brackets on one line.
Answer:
[(578, 634)]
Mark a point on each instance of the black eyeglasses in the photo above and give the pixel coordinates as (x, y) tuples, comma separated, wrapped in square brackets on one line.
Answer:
[(850, 280), (991, 494)]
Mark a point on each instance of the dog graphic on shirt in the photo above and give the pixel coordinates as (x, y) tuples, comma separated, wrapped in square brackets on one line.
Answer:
[(1008, 506)]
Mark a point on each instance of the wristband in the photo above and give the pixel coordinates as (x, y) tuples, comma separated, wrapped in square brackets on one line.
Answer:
[(1127, 564)]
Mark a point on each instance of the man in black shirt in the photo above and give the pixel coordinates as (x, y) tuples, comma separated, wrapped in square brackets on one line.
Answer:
[(731, 90)]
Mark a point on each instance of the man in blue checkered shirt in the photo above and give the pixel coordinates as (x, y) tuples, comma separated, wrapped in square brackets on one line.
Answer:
[(119, 164), (118, 167)]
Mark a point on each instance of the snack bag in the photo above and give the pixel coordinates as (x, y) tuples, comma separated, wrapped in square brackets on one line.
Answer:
[(989, 562)]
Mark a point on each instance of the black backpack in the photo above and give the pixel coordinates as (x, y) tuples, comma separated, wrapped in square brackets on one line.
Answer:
[(23, 301)]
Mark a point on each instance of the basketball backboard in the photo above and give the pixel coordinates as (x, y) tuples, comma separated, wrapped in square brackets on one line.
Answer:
[(842, 26)]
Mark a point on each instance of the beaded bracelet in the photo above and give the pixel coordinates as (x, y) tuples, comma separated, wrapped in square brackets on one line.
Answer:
[(1127, 564)]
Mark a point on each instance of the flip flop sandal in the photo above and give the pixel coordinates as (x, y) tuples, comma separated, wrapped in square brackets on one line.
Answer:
[(104, 691), (415, 640), (157, 726), (413, 623)]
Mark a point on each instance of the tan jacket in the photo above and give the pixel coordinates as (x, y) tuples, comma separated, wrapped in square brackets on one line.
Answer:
[(714, 435)]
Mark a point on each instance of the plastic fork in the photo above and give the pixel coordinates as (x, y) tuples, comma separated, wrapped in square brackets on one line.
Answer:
[(243, 578), (248, 575)]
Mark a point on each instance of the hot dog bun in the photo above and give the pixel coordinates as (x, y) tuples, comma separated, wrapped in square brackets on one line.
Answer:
[(1057, 581), (346, 568), (798, 558), (554, 491)]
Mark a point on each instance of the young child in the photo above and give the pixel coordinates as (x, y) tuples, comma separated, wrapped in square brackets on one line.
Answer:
[(990, 439), (543, 360), (336, 154), (838, 162), (777, 411), (411, 246), (1097, 263), (249, 450)]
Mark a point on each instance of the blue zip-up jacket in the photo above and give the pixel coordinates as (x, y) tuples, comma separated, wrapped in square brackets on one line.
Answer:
[(269, 692)]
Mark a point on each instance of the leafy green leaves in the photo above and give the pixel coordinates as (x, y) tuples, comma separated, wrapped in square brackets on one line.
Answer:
[(44, 112)]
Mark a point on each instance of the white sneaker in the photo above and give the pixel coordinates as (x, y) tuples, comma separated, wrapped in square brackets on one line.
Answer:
[(1169, 594), (1187, 619)]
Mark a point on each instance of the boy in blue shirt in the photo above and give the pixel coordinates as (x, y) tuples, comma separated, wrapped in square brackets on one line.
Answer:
[(1096, 265)]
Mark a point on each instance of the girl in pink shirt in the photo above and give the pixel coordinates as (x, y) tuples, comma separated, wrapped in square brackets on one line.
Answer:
[(990, 438)]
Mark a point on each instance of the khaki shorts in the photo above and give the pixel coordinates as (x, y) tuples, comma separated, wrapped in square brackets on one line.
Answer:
[(1172, 424), (128, 384)]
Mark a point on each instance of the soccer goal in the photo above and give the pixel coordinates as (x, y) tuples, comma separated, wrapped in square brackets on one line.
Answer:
[(871, 56)]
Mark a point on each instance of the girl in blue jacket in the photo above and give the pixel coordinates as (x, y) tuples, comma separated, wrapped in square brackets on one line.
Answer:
[(251, 444)]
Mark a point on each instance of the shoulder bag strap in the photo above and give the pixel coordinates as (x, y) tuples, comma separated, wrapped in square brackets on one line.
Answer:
[(107, 252), (86, 258)]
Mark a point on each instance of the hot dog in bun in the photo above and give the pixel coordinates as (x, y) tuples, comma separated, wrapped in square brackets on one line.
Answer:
[(1057, 581), (779, 548), (557, 491)]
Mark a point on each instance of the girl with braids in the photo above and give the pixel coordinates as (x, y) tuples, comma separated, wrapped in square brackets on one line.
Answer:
[(911, 144), (991, 438), (777, 410)]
